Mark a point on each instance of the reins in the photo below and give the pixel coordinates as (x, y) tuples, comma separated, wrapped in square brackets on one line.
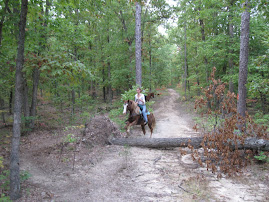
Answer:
[(134, 113)]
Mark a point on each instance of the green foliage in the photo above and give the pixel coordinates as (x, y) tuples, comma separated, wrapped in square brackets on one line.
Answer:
[(5, 182), (115, 115), (1, 162), (261, 118), (70, 138), (130, 94), (262, 157)]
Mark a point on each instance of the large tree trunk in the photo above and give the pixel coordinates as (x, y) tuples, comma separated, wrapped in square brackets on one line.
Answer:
[(243, 62), (249, 143), (15, 144), (138, 44)]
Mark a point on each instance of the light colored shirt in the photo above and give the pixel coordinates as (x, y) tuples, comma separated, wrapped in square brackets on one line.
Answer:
[(142, 97)]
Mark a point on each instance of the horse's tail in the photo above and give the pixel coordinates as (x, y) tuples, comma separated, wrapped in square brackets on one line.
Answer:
[(153, 121)]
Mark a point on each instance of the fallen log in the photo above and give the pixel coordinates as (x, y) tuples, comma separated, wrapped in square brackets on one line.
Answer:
[(249, 143), (157, 142)]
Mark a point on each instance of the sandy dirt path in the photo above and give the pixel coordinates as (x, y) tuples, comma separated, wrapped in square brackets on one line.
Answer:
[(116, 173)]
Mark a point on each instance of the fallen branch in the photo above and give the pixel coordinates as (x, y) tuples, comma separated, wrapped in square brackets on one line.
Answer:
[(249, 143)]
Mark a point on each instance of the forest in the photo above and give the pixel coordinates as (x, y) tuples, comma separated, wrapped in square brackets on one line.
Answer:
[(76, 56)]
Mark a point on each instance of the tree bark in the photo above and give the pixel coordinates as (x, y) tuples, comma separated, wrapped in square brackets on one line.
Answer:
[(243, 61), (249, 143), (15, 143), (138, 44)]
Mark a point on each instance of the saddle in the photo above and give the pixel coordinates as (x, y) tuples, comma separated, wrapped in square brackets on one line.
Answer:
[(140, 111)]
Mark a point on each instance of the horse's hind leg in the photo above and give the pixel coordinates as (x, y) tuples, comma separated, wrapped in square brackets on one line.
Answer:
[(150, 124), (143, 128), (151, 129)]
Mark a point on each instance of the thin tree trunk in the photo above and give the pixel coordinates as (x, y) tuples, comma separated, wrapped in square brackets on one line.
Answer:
[(2, 21), (231, 63), (73, 95), (243, 61), (109, 88), (2, 107), (36, 75), (104, 88), (203, 39), (129, 41), (26, 107), (15, 143), (138, 44), (185, 59), (10, 100), (150, 63)]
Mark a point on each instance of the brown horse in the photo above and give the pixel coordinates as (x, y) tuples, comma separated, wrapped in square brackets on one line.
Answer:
[(135, 118), (148, 96)]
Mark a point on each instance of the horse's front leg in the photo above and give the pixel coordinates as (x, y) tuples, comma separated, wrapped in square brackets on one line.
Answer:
[(129, 125), (127, 129)]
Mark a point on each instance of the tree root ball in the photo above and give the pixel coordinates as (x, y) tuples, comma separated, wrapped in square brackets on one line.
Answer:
[(99, 129)]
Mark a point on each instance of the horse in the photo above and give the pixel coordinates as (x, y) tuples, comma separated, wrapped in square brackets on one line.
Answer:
[(148, 96), (135, 118)]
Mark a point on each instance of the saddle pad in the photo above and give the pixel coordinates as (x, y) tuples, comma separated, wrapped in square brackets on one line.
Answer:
[(147, 112)]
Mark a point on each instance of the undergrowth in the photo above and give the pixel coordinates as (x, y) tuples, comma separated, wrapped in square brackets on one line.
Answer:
[(222, 152)]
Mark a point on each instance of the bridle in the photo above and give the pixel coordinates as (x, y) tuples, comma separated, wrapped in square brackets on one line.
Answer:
[(131, 109)]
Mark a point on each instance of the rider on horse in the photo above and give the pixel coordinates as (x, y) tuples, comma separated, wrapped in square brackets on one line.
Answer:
[(140, 100)]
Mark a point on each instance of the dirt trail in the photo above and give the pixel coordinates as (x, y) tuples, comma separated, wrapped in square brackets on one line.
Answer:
[(116, 173)]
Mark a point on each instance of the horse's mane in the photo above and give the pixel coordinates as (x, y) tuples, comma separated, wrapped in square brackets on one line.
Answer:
[(135, 107)]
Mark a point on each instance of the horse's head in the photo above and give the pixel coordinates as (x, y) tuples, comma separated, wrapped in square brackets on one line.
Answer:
[(150, 95), (125, 105), (131, 106)]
